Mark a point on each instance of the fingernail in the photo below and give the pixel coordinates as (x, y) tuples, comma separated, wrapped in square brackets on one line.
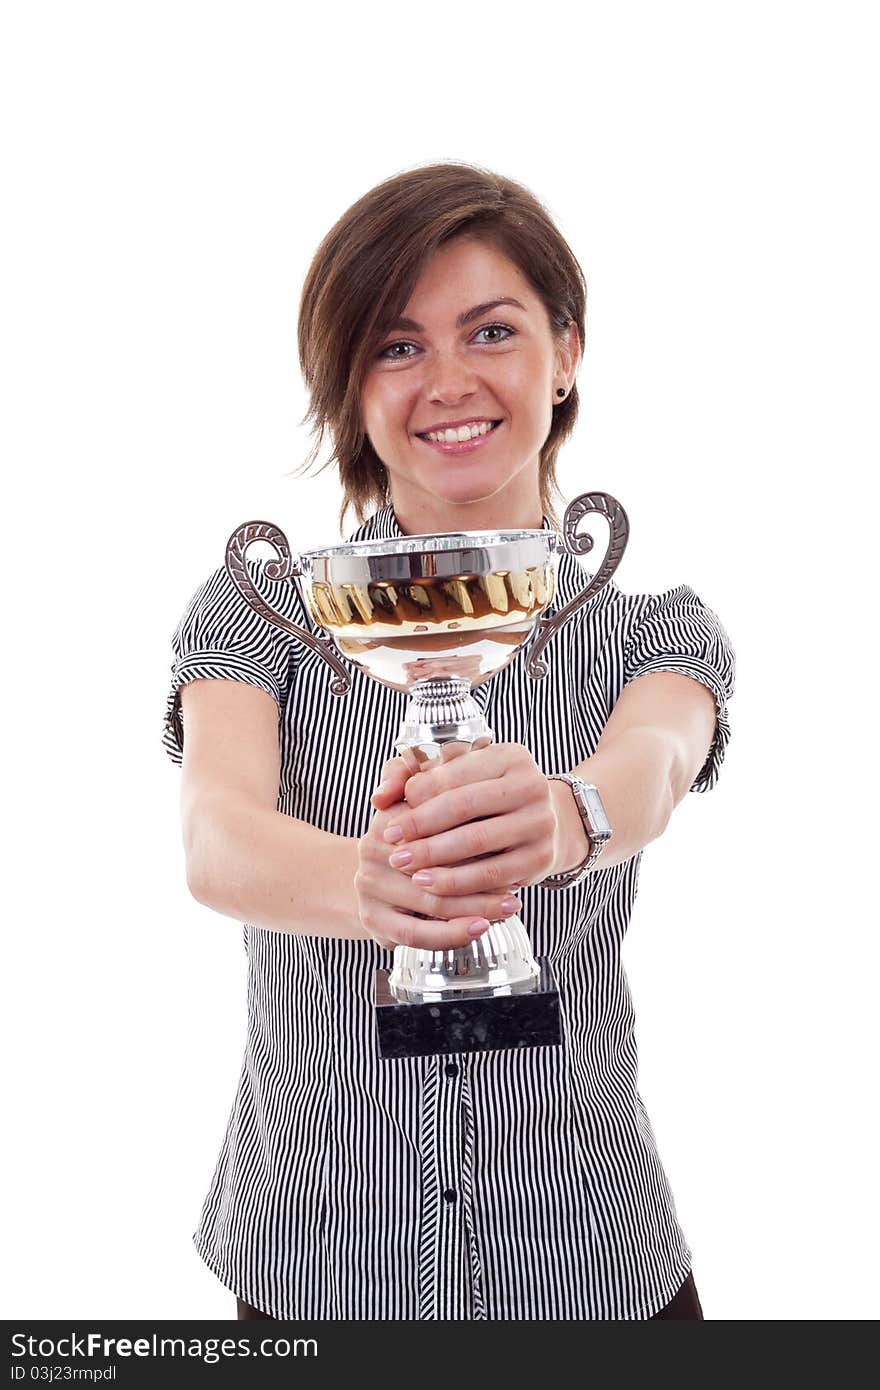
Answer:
[(423, 878), (509, 905), (400, 859), (478, 927), (382, 789), (393, 834)]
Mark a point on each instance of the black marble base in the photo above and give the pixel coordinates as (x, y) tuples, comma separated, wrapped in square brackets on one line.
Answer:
[(468, 1025)]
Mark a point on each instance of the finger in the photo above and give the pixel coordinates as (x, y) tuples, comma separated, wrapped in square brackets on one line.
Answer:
[(397, 773), (421, 766), (393, 777), (402, 894), (495, 905), (499, 874), (430, 935), (391, 765), (475, 800), (465, 842), (479, 766), (453, 750)]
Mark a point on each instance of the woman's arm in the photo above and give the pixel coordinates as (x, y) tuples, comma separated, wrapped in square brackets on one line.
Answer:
[(634, 777), (655, 742), (262, 866), (244, 857)]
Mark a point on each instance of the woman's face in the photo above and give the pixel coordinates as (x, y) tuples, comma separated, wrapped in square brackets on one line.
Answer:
[(432, 370)]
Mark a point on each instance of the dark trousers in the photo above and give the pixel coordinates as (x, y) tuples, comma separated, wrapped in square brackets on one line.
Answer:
[(684, 1304)]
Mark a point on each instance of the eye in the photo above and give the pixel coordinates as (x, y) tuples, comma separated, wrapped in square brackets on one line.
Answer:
[(389, 353), (492, 327)]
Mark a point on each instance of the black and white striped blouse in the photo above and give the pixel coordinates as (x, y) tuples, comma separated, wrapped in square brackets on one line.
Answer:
[(494, 1185)]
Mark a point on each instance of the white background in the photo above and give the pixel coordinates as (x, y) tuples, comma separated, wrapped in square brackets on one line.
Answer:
[(169, 172)]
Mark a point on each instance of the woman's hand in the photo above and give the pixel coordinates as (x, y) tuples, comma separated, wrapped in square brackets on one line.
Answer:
[(390, 902), (491, 806)]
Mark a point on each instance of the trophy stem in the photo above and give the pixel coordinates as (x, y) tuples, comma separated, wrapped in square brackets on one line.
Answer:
[(443, 711), (440, 711)]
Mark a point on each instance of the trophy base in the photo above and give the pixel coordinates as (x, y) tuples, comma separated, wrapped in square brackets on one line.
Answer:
[(487, 1023)]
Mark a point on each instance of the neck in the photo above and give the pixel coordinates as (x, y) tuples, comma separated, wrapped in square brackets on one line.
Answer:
[(430, 518)]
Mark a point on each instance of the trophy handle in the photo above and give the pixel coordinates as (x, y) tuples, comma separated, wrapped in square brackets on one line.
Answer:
[(610, 508), (287, 567)]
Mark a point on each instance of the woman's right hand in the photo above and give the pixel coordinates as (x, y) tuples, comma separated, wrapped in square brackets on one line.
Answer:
[(389, 901)]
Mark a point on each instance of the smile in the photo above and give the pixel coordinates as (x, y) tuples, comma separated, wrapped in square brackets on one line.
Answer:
[(456, 445)]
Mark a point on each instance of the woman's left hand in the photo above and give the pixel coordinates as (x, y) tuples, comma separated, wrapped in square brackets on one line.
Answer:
[(493, 802)]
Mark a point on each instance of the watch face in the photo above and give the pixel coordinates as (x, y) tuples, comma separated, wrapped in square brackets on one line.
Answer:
[(601, 825)]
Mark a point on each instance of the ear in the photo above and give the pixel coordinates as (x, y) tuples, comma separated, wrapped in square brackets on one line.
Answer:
[(568, 351)]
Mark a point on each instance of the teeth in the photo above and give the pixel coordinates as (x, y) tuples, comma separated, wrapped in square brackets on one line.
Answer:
[(459, 435)]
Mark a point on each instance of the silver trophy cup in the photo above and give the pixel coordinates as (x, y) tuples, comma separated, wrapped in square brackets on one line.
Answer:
[(433, 616)]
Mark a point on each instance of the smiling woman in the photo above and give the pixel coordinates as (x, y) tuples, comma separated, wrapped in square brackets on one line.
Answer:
[(441, 330)]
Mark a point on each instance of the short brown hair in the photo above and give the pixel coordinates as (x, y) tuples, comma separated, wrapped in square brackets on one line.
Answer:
[(363, 274)]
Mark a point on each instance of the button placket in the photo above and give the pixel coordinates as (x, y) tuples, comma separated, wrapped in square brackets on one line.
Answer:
[(442, 1264), (477, 1300)]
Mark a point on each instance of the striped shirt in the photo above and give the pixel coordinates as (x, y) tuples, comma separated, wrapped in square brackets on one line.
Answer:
[(494, 1185)]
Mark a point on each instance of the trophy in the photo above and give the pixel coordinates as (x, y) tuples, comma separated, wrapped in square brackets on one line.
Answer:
[(432, 616)]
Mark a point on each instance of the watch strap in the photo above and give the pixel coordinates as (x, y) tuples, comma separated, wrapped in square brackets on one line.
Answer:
[(576, 875)]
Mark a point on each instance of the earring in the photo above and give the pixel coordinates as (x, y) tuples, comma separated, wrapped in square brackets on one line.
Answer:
[(560, 390)]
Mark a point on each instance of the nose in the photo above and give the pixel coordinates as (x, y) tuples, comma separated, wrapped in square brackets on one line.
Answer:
[(451, 378)]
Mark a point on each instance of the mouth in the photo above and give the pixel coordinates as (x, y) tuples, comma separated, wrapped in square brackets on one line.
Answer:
[(463, 446)]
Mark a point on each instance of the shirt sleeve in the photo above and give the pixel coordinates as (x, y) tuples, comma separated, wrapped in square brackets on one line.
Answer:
[(678, 632), (220, 636)]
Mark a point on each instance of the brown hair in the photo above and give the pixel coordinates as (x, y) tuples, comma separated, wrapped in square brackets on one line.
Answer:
[(363, 274)]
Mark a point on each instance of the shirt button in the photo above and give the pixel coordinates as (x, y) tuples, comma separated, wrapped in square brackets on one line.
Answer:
[(450, 1194), (451, 1069)]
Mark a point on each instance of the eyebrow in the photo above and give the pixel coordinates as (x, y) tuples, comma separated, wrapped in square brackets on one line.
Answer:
[(467, 317)]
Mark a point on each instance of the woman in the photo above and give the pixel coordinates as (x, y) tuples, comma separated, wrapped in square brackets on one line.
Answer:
[(496, 1185)]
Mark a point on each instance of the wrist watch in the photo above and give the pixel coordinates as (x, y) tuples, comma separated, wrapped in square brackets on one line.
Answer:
[(596, 825)]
